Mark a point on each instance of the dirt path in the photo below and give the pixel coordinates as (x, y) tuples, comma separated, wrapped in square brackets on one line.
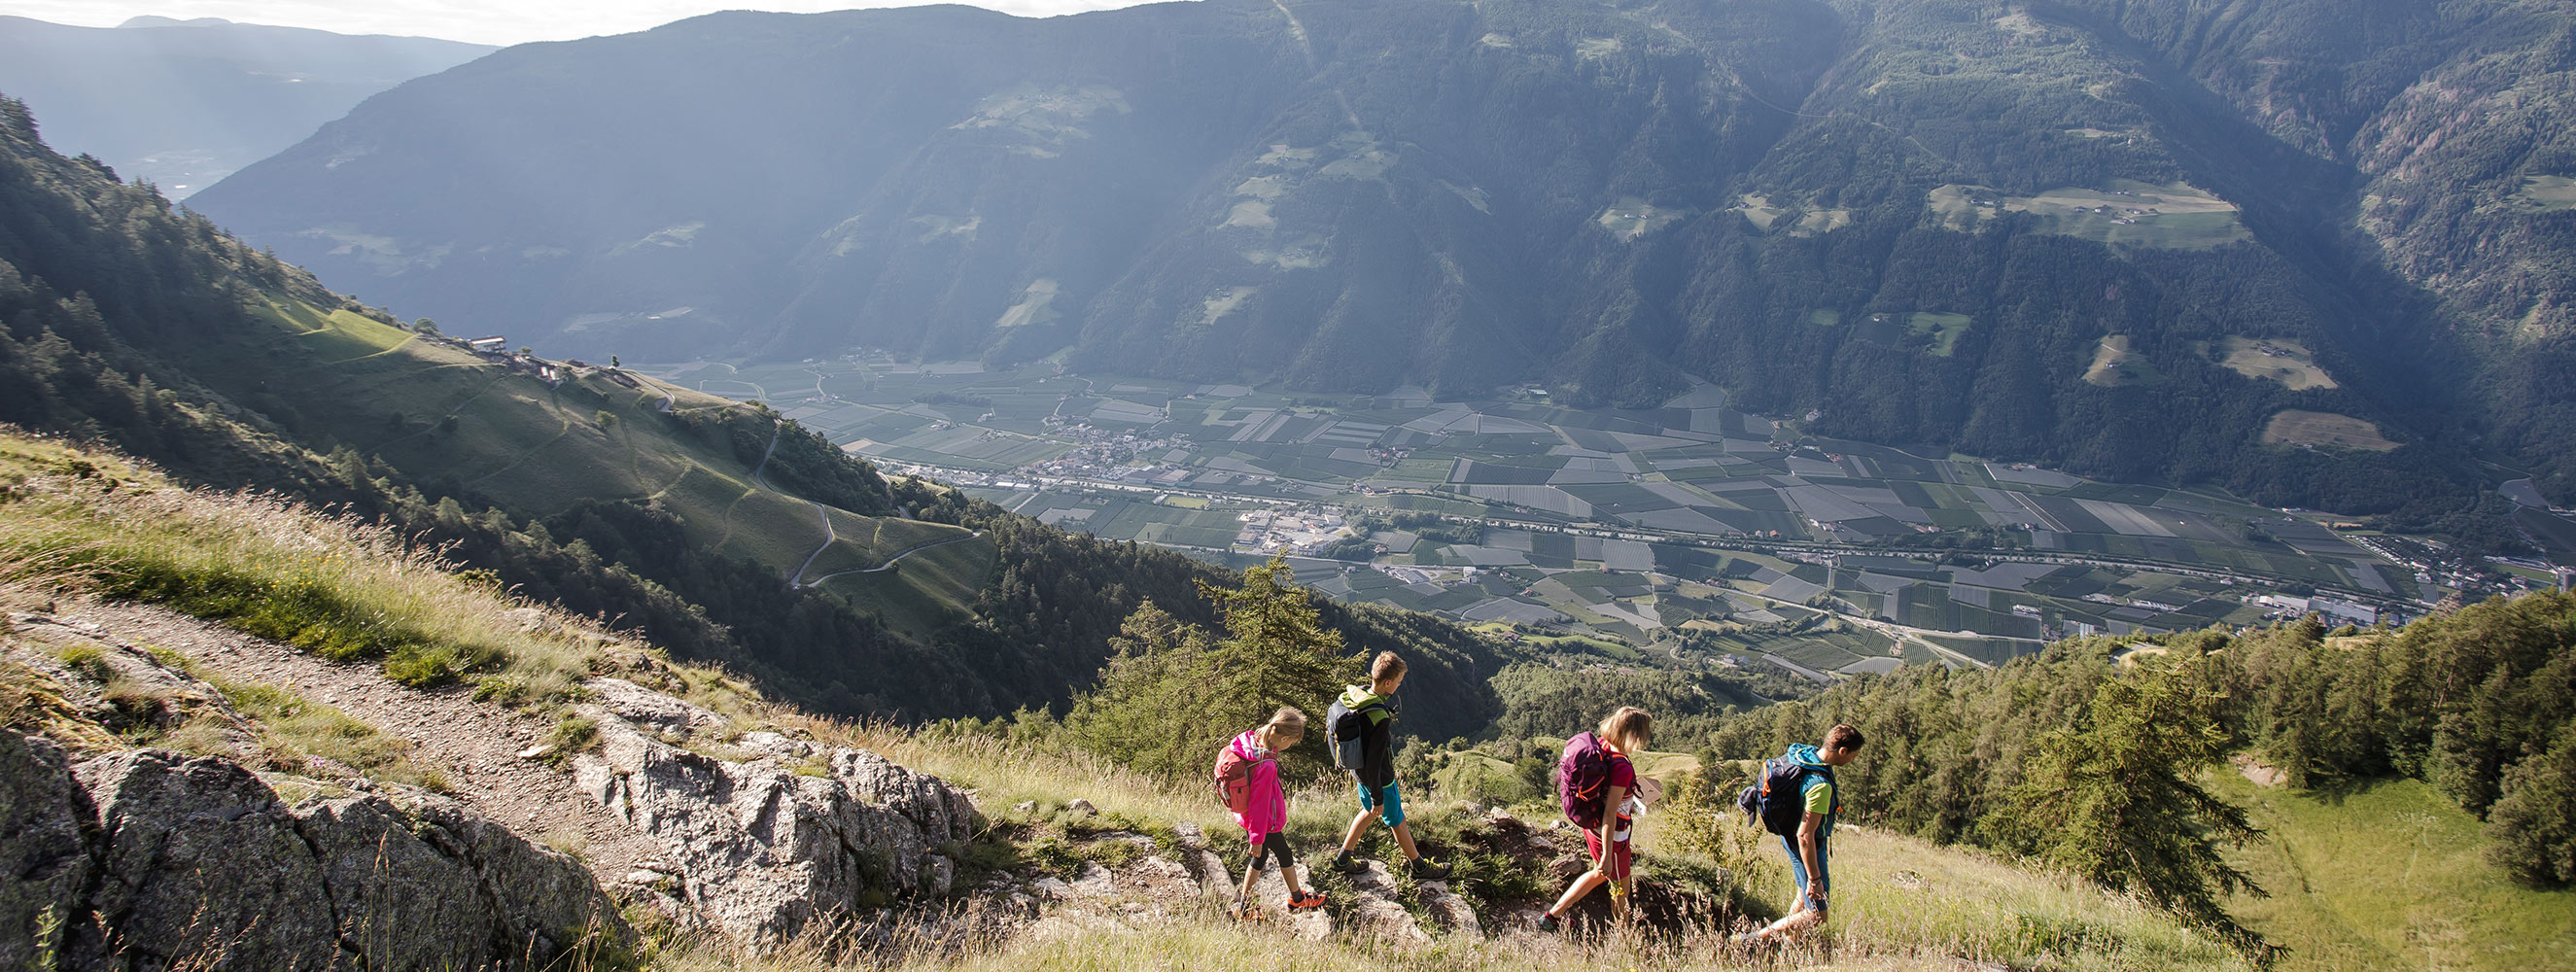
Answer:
[(891, 561), (475, 745)]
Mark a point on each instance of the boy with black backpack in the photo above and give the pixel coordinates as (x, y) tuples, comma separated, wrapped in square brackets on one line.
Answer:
[(1798, 800), (1361, 728), (1595, 785)]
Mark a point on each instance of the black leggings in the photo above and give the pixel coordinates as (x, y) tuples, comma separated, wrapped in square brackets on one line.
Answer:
[(1275, 846)]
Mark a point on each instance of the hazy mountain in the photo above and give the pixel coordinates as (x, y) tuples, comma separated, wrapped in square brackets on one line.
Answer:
[(2315, 251), (185, 102), (722, 532)]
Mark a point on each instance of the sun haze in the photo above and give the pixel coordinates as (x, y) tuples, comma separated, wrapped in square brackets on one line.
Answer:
[(476, 21)]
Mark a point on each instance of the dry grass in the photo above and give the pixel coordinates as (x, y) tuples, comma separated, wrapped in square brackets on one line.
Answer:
[(75, 522), (2272, 359)]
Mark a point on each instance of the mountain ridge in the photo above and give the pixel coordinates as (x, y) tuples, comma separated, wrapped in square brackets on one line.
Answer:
[(1609, 199)]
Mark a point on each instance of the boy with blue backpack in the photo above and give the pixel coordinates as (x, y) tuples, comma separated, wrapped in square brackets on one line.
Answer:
[(1361, 727), (1798, 800)]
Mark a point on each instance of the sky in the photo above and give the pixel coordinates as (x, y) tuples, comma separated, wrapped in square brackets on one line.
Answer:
[(478, 21)]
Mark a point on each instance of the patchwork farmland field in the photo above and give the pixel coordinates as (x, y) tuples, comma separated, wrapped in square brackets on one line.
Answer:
[(1688, 529)]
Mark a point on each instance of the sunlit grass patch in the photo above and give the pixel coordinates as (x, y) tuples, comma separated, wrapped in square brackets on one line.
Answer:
[(340, 588)]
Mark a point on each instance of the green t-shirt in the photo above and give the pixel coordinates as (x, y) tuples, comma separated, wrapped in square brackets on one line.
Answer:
[(1818, 794)]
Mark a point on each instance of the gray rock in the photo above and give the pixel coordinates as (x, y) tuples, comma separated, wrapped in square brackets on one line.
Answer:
[(1083, 807), (542, 904), (654, 710), (762, 850), (43, 854), (399, 903), (201, 863)]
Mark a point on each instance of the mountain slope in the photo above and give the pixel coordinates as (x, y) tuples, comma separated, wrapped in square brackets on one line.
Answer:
[(1926, 219), (185, 103), (721, 531)]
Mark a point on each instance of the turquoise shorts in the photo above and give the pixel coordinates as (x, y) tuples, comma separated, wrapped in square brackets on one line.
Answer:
[(1386, 800)]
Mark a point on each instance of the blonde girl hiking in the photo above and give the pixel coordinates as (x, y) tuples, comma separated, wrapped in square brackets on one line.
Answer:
[(1597, 785), (1247, 778)]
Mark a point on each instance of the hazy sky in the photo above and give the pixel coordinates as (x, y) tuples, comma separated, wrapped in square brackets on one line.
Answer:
[(481, 21)]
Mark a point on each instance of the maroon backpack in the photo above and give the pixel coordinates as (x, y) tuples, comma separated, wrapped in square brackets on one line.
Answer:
[(1583, 779)]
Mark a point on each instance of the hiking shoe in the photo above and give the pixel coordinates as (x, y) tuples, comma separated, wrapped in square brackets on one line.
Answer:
[(1548, 923), (1347, 864), (1245, 911), (1425, 869), (1314, 899)]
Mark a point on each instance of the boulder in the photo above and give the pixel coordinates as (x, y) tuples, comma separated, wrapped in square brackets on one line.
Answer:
[(199, 865), (389, 889), (761, 847), (43, 854), (542, 904), (203, 864)]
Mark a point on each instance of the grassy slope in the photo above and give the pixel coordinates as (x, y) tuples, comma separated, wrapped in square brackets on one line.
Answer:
[(2390, 876), (389, 393), (1907, 904)]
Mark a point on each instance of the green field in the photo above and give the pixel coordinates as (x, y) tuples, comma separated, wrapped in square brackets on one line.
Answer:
[(2389, 875), (1944, 328), (1183, 464)]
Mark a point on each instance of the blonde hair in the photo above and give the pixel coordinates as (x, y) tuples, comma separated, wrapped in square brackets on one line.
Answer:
[(1288, 723), (1385, 667), (1629, 728)]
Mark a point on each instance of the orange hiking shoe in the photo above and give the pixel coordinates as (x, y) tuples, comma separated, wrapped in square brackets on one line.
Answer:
[(1314, 899), (1246, 911)]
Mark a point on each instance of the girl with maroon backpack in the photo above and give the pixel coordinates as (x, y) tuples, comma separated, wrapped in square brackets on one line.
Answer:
[(1595, 783), (1247, 779)]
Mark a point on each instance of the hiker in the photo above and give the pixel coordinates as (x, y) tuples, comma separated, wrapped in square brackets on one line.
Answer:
[(1596, 783), (1798, 800), (1248, 777), (1362, 728)]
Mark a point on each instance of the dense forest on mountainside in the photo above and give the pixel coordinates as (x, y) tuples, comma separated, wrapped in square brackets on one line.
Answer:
[(2480, 703), (112, 298), (1932, 221)]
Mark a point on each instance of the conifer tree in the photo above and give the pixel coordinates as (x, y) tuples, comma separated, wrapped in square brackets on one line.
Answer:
[(1278, 652), (2111, 799), (1147, 711)]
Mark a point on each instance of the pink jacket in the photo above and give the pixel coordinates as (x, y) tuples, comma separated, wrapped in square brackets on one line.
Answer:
[(1267, 809)]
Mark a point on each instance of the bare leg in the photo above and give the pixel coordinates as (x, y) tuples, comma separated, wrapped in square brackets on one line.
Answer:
[(1251, 876), (1404, 841), (1796, 921), (1359, 825), (1582, 886)]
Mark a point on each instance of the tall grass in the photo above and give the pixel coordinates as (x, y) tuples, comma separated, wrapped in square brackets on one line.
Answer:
[(74, 522)]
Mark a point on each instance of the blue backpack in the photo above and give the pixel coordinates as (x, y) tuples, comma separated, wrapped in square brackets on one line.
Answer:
[(1777, 802)]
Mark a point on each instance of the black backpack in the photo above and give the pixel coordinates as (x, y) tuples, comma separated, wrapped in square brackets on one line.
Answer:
[(1347, 730), (1777, 802)]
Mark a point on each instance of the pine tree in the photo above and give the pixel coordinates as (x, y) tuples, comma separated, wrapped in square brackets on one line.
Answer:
[(1278, 653), (2534, 823), (2111, 799)]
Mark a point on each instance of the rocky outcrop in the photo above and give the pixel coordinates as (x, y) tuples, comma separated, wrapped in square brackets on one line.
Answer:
[(148, 859), (770, 833), (45, 858), (199, 859)]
